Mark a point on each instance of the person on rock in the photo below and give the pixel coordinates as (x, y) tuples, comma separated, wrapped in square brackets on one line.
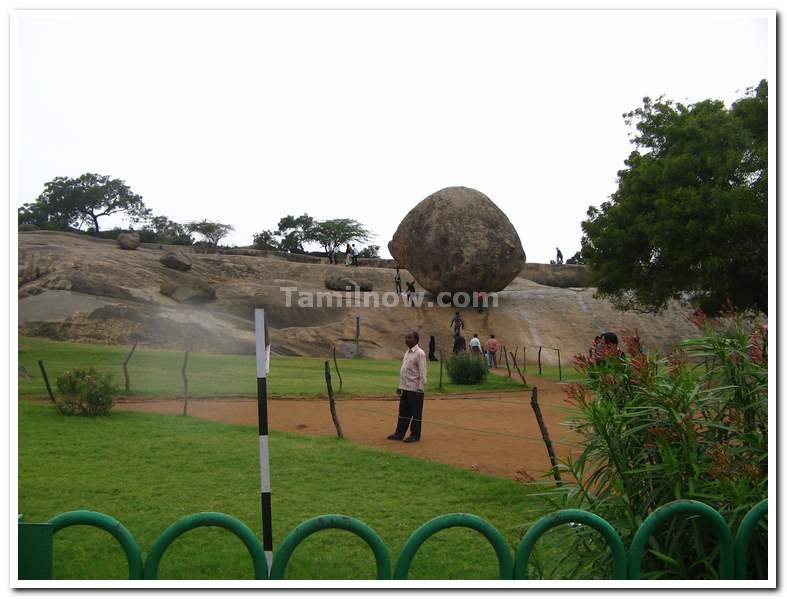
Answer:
[(457, 323)]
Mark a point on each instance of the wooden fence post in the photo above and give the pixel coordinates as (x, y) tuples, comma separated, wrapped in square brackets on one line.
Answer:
[(524, 358), (125, 366), (331, 400), (336, 364), (522, 376), (357, 335), (505, 355), (539, 360), (559, 369), (545, 434), (46, 381), (440, 386), (185, 383)]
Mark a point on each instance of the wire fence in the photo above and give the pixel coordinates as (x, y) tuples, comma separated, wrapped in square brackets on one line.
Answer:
[(458, 426)]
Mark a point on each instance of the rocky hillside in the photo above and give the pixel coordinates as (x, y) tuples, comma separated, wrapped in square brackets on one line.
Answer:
[(78, 288)]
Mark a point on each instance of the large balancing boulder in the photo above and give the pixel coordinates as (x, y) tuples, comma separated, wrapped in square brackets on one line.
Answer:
[(457, 239)]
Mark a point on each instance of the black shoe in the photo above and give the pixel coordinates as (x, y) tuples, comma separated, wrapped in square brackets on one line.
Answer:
[(412, 439), (394, 438)]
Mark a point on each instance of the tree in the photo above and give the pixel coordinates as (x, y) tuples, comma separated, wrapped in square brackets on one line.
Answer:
[(294, 232), (213, 232), (265, 240), (370, 251), (67, 202), (160, 229), (331, 234), (690, 216)]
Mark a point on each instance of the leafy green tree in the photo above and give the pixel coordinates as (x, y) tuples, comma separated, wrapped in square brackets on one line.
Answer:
[(162, 230), (690, 216), (294, 232), (67, 202), (331, 234), (213, 232), (265, 240)]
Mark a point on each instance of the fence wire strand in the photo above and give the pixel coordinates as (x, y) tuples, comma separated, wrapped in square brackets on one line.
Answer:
[(466, 428)]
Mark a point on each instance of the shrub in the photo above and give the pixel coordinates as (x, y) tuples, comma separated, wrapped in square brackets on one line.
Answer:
[(467, 368), (691, 425), (85, 392)]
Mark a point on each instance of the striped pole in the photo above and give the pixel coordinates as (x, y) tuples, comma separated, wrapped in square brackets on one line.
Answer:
[(263, 351)]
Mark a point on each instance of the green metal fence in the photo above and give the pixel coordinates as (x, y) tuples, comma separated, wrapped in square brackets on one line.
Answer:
[(36, 540)]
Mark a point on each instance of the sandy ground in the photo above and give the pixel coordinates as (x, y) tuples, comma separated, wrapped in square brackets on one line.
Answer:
[(496, 433)]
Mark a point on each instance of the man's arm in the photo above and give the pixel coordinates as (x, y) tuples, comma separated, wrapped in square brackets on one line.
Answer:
[(422, 371)]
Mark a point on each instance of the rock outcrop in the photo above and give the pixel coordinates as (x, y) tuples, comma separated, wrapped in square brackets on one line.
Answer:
[(81, 288), (456, 240), (176, 260), (339, 282), (186, 289)]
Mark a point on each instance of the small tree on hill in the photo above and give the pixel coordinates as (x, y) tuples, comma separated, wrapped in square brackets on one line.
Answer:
[(331, 234), (67, 202), (265, 240), (213, 232), (162, 230), (370, 251), (294, 232)]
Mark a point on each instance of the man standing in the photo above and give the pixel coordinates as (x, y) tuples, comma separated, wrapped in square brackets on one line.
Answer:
[(412, 383), (475, 344), (355, 255), (559, 256), (491, 347), (398, 281)]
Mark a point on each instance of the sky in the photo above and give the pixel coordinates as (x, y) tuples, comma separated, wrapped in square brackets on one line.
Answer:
[(246, 116)]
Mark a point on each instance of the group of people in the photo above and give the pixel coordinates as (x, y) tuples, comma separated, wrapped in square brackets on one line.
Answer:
[(604, 344), (488, 350), (410, 287), (350, 255)]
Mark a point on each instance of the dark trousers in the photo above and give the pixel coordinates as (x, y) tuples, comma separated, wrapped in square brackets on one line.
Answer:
[(411, 407), (398, 286)]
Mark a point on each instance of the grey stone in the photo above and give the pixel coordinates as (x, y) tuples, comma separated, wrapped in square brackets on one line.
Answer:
[(176, 260), (457, 239)]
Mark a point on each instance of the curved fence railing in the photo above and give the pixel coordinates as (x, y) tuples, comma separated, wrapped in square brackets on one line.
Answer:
[(36, 540)]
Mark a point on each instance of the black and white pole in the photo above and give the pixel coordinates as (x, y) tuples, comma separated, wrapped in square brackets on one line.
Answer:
[(263, 348)]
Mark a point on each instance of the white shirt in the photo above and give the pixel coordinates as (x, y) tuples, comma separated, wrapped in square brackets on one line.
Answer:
[(475, 342), (412, 374)]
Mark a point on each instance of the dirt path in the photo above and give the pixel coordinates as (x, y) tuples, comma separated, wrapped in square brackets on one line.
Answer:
[(494, 433)]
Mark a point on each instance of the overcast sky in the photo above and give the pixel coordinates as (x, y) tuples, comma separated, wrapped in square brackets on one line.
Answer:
[(246, 116)]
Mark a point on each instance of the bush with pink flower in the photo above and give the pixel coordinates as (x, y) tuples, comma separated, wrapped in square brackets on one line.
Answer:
[(690, 425)]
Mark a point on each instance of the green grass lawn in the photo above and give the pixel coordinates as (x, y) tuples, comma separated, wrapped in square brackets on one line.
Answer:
[(158, 372), (149, 470)]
